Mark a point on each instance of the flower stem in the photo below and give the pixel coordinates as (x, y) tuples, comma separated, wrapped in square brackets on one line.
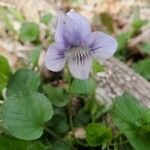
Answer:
[(70, 105), (70, 112), (70, 116)]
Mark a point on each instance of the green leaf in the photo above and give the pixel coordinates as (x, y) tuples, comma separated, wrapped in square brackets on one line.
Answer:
[(23, 80), (57, 95), (145, 48), (143, 68), (47, 18), (107, 21), (35, 54), (97, 67), (82, 118), (129, 116), (83, 86), (9, 143), (126, 105), (8, 23), (7, 20), (24, 114), (122, 40), (4, 66), (137, 23), (59, 122), (36, 145), (16, 14), (29, 31), (5, 72), (3, 82), (60, 146), (97, 134)]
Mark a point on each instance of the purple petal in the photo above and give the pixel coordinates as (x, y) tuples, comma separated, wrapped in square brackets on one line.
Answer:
[(55, 59), (59, 29), (72, 29), (102, 45), (81, 23), (80, 69)]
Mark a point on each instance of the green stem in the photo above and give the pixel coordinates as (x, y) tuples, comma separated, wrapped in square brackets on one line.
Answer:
[(58, 137), (70, 112), (52, 133), (70, 116), (120, 143), (81, 143), (70, 106)]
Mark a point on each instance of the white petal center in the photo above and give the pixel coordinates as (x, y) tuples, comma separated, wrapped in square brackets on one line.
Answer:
[(78, 54)]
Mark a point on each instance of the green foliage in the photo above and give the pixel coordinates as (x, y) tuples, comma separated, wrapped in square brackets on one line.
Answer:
[(145, 48), (137, 22), (83, 117), (16, 14), (60, 146), (97, 134), (57, 96), (6, 19), (143, 68), (29, 32), (24, 114), (8, 23), (77, 1), (59, 122), (107, 21), (93, 108), (83, 86), (122, 40), (35, 54), (9, 143), (4, 66), (47, 18), (25, 110), (36, 145), (97, 67), (23, 80), (133, 120), (5, 72)]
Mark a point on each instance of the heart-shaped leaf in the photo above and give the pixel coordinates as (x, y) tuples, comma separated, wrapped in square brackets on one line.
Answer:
[(23, 80), (24, 114)]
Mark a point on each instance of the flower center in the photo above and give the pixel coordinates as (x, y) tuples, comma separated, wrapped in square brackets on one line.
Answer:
[(78, 54)]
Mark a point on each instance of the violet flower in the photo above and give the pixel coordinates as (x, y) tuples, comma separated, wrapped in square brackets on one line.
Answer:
[(76, 45)]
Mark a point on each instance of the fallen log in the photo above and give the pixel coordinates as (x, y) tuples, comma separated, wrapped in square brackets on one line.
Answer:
[(119, 78)]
